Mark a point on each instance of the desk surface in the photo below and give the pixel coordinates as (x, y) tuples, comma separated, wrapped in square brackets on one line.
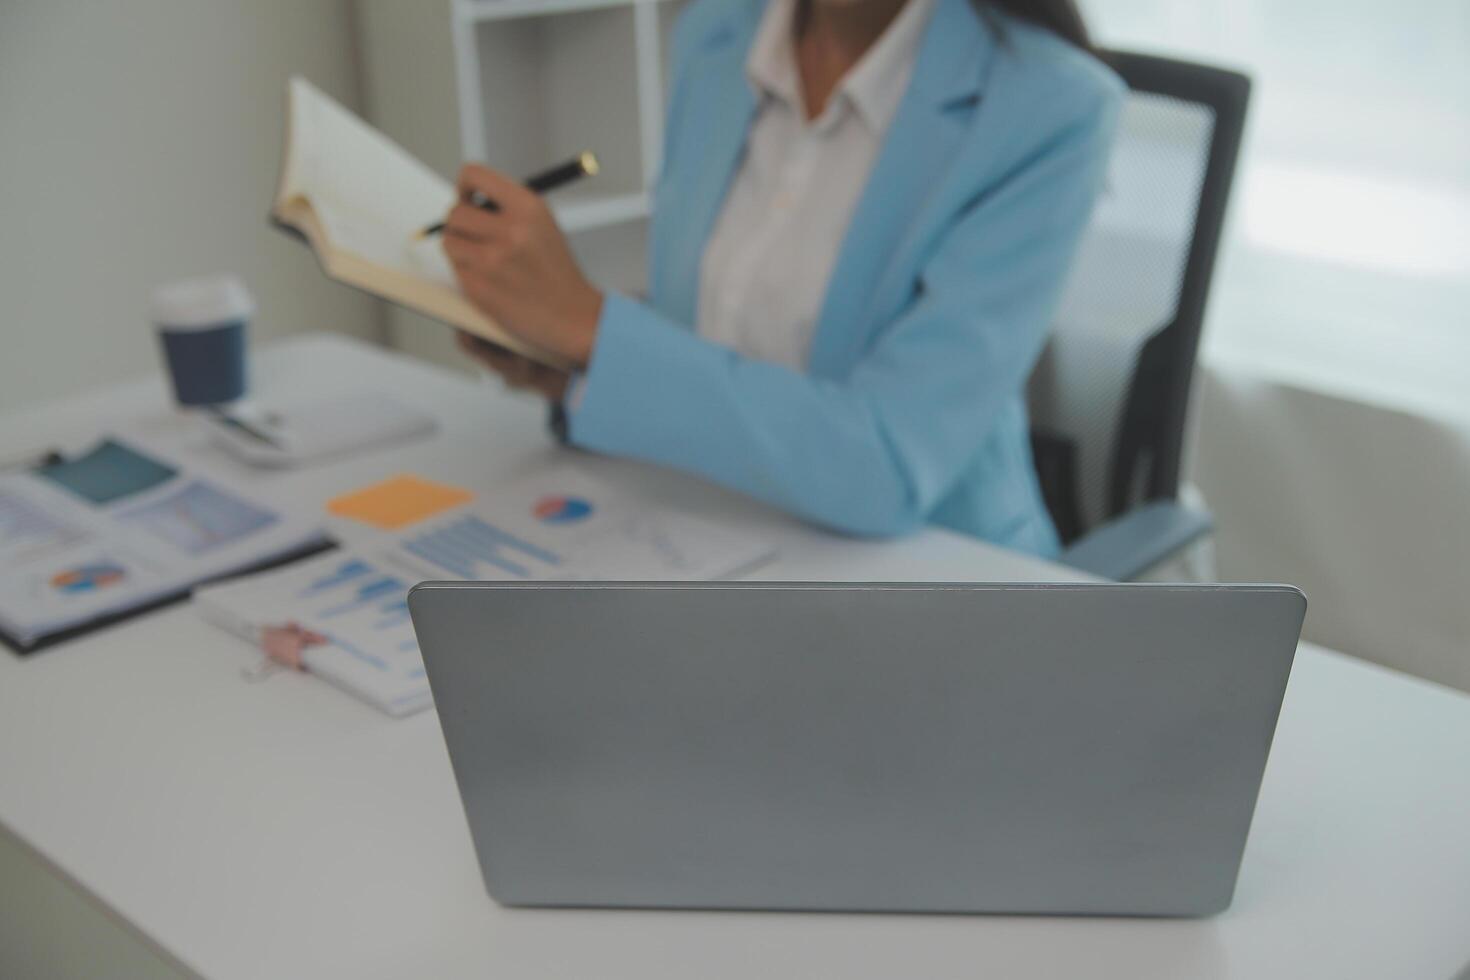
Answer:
[(283, 829)]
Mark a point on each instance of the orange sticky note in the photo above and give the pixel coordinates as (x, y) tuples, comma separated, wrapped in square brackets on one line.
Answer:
[(398, 501)]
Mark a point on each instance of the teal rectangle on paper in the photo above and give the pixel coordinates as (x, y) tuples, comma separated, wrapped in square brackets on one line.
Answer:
[(109, 472)]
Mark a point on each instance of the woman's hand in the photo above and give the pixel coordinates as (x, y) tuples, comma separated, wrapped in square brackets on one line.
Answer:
[(515, 265), (520, 373)]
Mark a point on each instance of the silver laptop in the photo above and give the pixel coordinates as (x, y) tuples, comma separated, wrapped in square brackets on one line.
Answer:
[(1075, 749)]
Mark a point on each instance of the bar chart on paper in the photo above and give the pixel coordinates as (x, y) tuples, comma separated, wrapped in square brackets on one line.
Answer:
[(559, 525), (354, 591), (370, 593), (358, 602), (473, 548), (341, 572)]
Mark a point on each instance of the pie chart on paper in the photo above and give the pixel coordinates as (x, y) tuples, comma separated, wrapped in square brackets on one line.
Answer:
[(555, 509), (88, 578)]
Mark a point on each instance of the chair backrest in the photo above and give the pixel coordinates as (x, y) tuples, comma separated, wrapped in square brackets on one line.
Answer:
[(1109, 399)]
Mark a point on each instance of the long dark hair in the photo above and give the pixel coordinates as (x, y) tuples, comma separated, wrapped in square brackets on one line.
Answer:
[(1061, 17)]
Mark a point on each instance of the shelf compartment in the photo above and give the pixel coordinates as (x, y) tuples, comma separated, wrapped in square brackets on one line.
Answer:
[(491, 10), (579, 214), (549, 87)]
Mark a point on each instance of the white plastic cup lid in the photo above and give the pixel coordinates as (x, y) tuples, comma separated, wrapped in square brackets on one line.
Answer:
[(193, 304)]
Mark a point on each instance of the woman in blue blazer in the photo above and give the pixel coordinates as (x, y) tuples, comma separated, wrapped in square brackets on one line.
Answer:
[(909, 406)]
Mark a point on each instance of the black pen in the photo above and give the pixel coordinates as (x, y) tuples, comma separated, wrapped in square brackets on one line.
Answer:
[(35, 461), (253, 431), (583, 165)]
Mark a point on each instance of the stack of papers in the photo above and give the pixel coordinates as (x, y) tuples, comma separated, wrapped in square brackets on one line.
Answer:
[(87, 540), (560, 525)]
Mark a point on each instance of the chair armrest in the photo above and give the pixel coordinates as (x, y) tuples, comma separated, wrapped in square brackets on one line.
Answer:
[(1129, 545)]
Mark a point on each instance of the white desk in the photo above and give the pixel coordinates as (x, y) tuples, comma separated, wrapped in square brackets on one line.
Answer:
[(283, 829)]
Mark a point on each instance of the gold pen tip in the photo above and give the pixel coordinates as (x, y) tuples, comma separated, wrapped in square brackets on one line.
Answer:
[(588, 160)]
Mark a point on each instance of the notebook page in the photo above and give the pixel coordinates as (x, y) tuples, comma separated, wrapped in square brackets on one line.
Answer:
[(371, 238), (340, 162)]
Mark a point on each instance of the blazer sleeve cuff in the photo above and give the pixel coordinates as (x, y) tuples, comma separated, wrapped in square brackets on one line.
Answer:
[(641, 363)]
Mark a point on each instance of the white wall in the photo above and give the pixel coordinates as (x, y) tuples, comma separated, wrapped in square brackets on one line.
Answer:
[(1360, 505), (139, 143), (407, 61)]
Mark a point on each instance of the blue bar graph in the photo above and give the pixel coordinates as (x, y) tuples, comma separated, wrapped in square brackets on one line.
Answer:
[(346, 572), (461, 546), (393, 614), (369, 593)]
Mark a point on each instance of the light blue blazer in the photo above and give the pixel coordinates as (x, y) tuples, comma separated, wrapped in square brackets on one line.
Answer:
[(911, 408)]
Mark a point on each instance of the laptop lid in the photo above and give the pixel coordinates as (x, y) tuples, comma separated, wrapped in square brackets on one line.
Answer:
[(1058, 748)]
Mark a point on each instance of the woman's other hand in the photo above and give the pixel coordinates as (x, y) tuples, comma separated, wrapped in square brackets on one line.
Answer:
[(515, 265), (519, 373)]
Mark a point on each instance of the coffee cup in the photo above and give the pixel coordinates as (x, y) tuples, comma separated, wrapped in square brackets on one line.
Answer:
[(202, 327)]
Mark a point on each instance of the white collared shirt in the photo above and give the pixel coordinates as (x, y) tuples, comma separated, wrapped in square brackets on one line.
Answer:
[(765, 268)]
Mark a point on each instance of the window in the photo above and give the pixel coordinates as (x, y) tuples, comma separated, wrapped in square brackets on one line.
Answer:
[(1348, 257)]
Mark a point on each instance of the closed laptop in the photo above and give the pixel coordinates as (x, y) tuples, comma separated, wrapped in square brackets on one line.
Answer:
[(1071, 749)]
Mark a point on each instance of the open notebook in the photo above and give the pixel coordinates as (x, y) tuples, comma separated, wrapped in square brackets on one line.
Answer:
[(116, 531), (359, 199)]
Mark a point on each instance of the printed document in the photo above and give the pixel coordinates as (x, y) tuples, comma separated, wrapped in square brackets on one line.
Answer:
[(560, 525), (117, 529)]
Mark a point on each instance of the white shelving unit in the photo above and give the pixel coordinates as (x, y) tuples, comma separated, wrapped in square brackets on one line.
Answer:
[(541, 80)]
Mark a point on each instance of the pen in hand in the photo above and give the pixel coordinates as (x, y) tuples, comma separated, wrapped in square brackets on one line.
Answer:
[(583, 165)]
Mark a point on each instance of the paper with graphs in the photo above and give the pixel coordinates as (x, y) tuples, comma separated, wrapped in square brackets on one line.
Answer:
[(114, 530), (559, 525)]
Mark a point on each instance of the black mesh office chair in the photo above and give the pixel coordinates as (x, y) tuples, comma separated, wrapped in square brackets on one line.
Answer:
[(1110, 397)]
